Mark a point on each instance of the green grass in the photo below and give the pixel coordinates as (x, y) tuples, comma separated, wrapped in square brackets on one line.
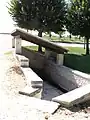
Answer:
[(8, 53), (78, 62), (75, 58), (76, 50), (35, 48), (63, 39)]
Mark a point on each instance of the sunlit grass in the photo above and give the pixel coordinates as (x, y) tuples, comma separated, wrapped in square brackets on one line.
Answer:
[(8, 53)]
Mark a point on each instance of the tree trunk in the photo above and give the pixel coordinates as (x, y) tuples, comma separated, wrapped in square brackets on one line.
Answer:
[(50, 34), (87, 46), (84, 43), (40, 35), (70, 36), (60, 36)]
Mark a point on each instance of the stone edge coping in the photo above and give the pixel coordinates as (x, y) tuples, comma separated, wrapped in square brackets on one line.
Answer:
[(79, 73), (73, 97), (76, 72)]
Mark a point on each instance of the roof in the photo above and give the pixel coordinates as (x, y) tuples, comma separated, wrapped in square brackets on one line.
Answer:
[(39, 41)]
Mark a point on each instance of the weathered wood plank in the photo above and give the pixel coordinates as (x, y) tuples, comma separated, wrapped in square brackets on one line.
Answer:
[(39, 41)]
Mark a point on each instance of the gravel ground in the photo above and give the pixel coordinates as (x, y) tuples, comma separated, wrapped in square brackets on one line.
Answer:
[(14, 106)]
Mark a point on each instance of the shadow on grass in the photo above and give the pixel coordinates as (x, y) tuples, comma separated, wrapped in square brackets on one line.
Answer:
[(78, 62)]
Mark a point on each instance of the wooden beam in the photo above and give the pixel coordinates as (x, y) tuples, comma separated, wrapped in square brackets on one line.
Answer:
[(39, 41)]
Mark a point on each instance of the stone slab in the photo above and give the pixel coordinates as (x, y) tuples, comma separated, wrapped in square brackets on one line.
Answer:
[(75, 96), (32, 78), (36, 84), (24, 62), (39, 104), (29, 91)]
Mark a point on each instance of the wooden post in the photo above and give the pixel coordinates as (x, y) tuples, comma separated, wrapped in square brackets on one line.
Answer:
[(13, 42), (60, 59), (18, 41)]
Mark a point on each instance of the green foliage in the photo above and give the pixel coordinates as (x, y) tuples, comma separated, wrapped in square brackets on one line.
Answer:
[(78, 19), (41, 15), (78, 62), (76, 59)]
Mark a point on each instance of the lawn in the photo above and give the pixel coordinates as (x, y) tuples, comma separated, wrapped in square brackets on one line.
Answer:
[(78, 62), (35, 48), (63, 39), (75, 58), (76, 50)]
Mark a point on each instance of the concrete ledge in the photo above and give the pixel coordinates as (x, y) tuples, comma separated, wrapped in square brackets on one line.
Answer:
[(24, 62), (84, 75), (31, 92), (73, 97), (65, 77), (32, 78), (36, 58)]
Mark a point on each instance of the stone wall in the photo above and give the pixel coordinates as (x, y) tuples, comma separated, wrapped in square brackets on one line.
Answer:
[(36, 59), (65, 77)]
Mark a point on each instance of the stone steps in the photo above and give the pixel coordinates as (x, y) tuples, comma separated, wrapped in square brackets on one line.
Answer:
[(34, 82)]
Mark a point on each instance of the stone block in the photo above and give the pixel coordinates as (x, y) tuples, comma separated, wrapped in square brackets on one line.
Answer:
[(60, 59), (24, 62), (31, 92), (75, 96), (32, 78)]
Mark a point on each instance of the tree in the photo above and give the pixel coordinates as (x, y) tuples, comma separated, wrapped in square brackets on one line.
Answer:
[(78, 19), (41, 15)]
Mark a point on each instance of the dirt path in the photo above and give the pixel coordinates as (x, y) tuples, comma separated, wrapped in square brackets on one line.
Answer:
[(11, 81)]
